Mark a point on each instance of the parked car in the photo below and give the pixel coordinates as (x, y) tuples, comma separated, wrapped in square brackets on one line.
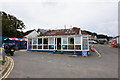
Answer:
[(92, 42)]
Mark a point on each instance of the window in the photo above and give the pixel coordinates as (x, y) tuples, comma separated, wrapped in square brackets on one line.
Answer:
[(77, 40), (39, 40), (45, 43), (39, 46), (35, 41), (78, 47), (64, 40), (70, 40), (45, 46), (51, 46), (51, 43), (45, 40), (85, 43), (71, 47), (64, 43), (29, 41), (51, 40), (64, 46), (78, 43), (34, 46), (71, 43)]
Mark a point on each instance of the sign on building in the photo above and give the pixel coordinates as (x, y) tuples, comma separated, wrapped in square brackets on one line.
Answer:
[(84, 53)]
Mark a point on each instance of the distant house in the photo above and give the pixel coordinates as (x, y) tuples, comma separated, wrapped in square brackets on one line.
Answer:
[(102, 39), (118, 39), (91, 37), (42, 31), (61, 40)]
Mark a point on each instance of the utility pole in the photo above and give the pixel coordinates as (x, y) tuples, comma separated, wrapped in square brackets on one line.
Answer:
[(0, 28), (2, 49)]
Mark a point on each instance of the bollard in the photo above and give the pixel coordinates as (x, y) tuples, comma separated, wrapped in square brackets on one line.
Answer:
[(3, 54)]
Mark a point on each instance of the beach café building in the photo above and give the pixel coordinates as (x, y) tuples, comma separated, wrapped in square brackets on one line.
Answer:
[(61, 40)]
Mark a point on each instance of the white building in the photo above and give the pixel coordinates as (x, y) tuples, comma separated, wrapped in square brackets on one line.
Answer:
[(62, 40), (31, 33)]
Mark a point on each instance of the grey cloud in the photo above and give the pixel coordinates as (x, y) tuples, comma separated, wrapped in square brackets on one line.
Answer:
[(95, 16)]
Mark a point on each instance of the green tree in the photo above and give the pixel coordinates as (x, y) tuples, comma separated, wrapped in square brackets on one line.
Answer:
[(11, 26)]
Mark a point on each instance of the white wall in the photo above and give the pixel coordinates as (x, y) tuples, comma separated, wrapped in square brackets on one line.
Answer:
[(32, 35)]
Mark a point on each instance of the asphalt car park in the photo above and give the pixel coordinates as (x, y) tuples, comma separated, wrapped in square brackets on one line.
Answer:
[(32, 64)]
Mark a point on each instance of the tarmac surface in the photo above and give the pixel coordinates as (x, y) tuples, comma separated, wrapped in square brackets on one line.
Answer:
[(29, 64)]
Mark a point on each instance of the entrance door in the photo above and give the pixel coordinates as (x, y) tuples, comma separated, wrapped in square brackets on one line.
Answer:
[(58, 43)]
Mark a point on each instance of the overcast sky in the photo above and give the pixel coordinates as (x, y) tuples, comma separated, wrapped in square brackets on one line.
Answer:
[(100, 16)]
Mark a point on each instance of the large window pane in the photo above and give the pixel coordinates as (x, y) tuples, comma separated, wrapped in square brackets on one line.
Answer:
[(85, 44), (71, 47), (64, 46), (35, 41), (70, 40), (51, 40), (34, 46), (64, 40), (77, 40), (78, 47), (40, 41), (45, 47), (51, 46), (39, 46), (45, 40), (29, 41)]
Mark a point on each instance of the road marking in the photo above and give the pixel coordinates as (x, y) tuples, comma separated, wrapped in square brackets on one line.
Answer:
[(3, 77), (9, 69), (98, 53), (101, 51)]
